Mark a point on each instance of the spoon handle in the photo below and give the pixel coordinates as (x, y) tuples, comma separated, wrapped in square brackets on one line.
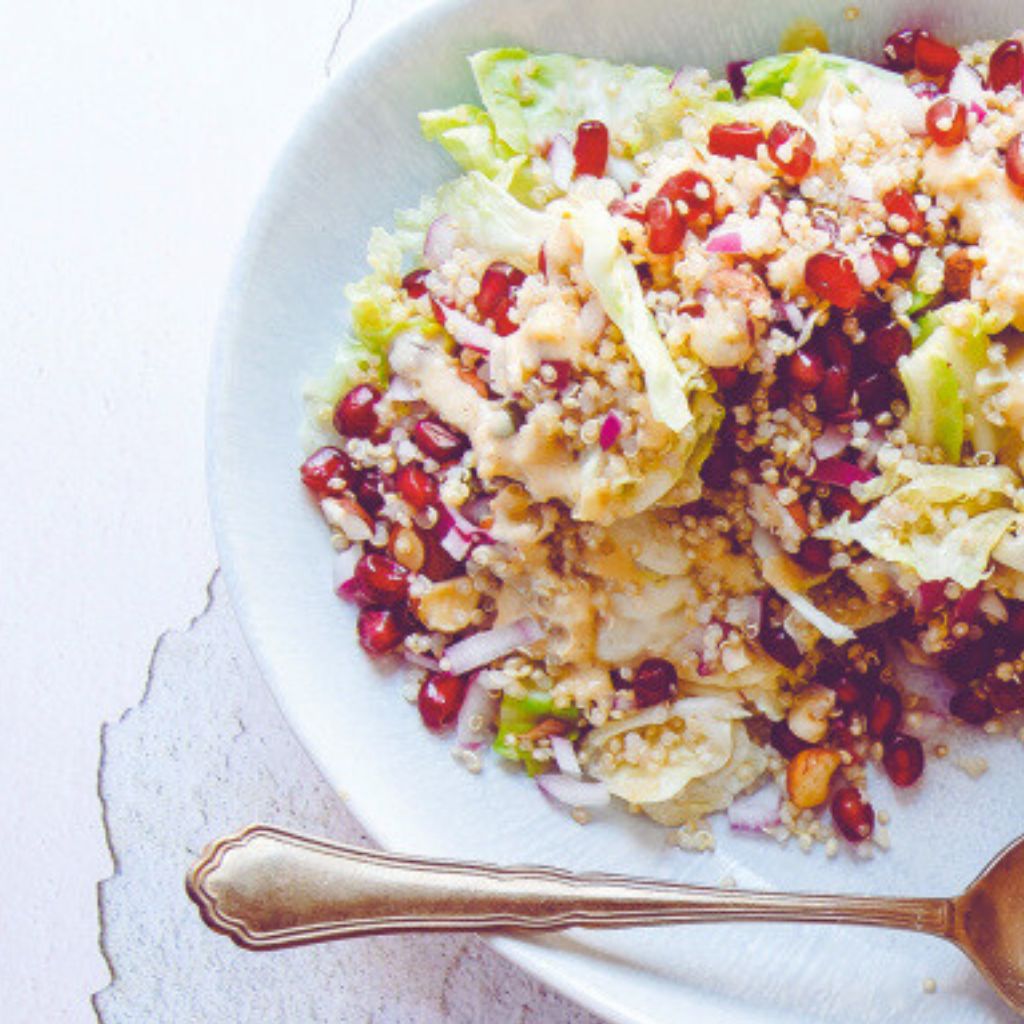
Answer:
[(267, 888)]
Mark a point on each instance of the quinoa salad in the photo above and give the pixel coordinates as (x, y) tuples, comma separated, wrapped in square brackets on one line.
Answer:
[(677, 446)]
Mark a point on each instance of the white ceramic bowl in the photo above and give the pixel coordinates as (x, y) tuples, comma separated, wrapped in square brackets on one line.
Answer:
[(355, 157)]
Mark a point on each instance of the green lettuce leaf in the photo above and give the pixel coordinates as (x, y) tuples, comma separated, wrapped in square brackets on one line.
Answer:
[(940, 521), (532, 97), (936, 416), (796, 77), (614, 278)]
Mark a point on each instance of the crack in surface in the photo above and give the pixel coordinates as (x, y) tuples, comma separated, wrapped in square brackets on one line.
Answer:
[(100, 773)]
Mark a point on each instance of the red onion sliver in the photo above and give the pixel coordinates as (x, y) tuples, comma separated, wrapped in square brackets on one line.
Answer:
[(574, 792), (469, 333), (439, 243), (831, 443), (565, 756), (345, 565), (837, 473), (476, 716), (421, 660), (456, 544), (482, 648), (966, 607), (610, 430), (561, 161), (725, 241), (929, 683), (754, 812)]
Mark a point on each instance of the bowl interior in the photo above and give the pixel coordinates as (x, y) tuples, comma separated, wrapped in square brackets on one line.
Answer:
[(355, 158)]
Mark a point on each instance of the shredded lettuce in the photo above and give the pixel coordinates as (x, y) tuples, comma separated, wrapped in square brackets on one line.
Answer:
[(940, 521), (518, 715), (614, 279), (796, 77), (936, 416)]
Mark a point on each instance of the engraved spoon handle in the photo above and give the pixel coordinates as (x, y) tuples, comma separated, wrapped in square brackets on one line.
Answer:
[(267, 888)]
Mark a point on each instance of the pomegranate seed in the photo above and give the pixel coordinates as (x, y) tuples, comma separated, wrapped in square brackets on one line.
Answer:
[(736, 76), (1006, 65), (718, 466), (1005, 694), (831, 276), (835, 391), (898, 50), (894, 258), (875, 393), (888, 343), (791, 149), (355, 415), (591, 148), (696, 192), (885, 712), (369, 490), (946, 121), (785, 741), (898, 202), (499, 282), (438, 441), (381, 579), (654, 681), (970, 707), (439, 700), (562, 373), (1015, 160), (415, 283), (778, 644), (417, 486), (854, 693), (622, 208), (726, 377), (933, 57), (665, 225), (380, 630), (437, 565), (853, 815), (805, 369), (903, 759), (815, 555), (840, 501), (736, 139), (323, 466), (838, 350)]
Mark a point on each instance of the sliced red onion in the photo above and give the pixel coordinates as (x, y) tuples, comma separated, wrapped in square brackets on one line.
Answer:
[(745, 611), (421, 660), (477, 510), (610, 430), (725, 240), (993, 606), (482, 648), (927, 682), (859, 185), (838, 473), (439, 243), (565, 756), (476, 716), (455, 544), (345, 565), (875, 438), (736, 74), (469, 333), (452, 519), (561, 161), (831, 443), (574, 792), (754, 812)]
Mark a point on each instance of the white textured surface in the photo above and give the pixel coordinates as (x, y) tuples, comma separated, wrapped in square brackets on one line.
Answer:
[(205, 752)]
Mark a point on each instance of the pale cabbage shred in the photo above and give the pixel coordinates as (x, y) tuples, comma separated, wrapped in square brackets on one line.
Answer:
[(634, 587)]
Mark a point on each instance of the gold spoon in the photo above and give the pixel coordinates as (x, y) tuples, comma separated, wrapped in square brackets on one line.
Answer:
[(267, 888)]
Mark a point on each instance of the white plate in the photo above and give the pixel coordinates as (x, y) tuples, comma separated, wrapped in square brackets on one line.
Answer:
[(355, 157)]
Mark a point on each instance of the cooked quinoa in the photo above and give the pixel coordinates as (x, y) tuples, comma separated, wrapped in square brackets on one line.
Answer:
[(678, 443)]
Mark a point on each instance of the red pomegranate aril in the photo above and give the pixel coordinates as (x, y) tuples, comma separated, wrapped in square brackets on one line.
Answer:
[(885, 712), (805, 369), (718, 466), (561, 369), (726, 377), (1005, 694), (898, 50), (815, 555), (696, 192), (498, 283), (739, 138), (415, 283), (380, 630), (778, 644), (323, 466), (654, 681), (832, 277), (439, 700), (888, 343), (369, 490), (503, 324), (356, 414), (1006, 65), (946, 122), (839, 502), (835, 392), (1015, 160), (384, 581), (791, 149), (437, 565), (852, 692), (665, 225), (438, 441), (417, 486), (970, 707), (876, 392), (903, 759), (898, 202), (837, 348), (591, 148), (933, 57), (853, 815), (885, 252), (785, 741)]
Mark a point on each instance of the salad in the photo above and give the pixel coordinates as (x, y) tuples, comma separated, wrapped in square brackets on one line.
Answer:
[(678, 443)]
